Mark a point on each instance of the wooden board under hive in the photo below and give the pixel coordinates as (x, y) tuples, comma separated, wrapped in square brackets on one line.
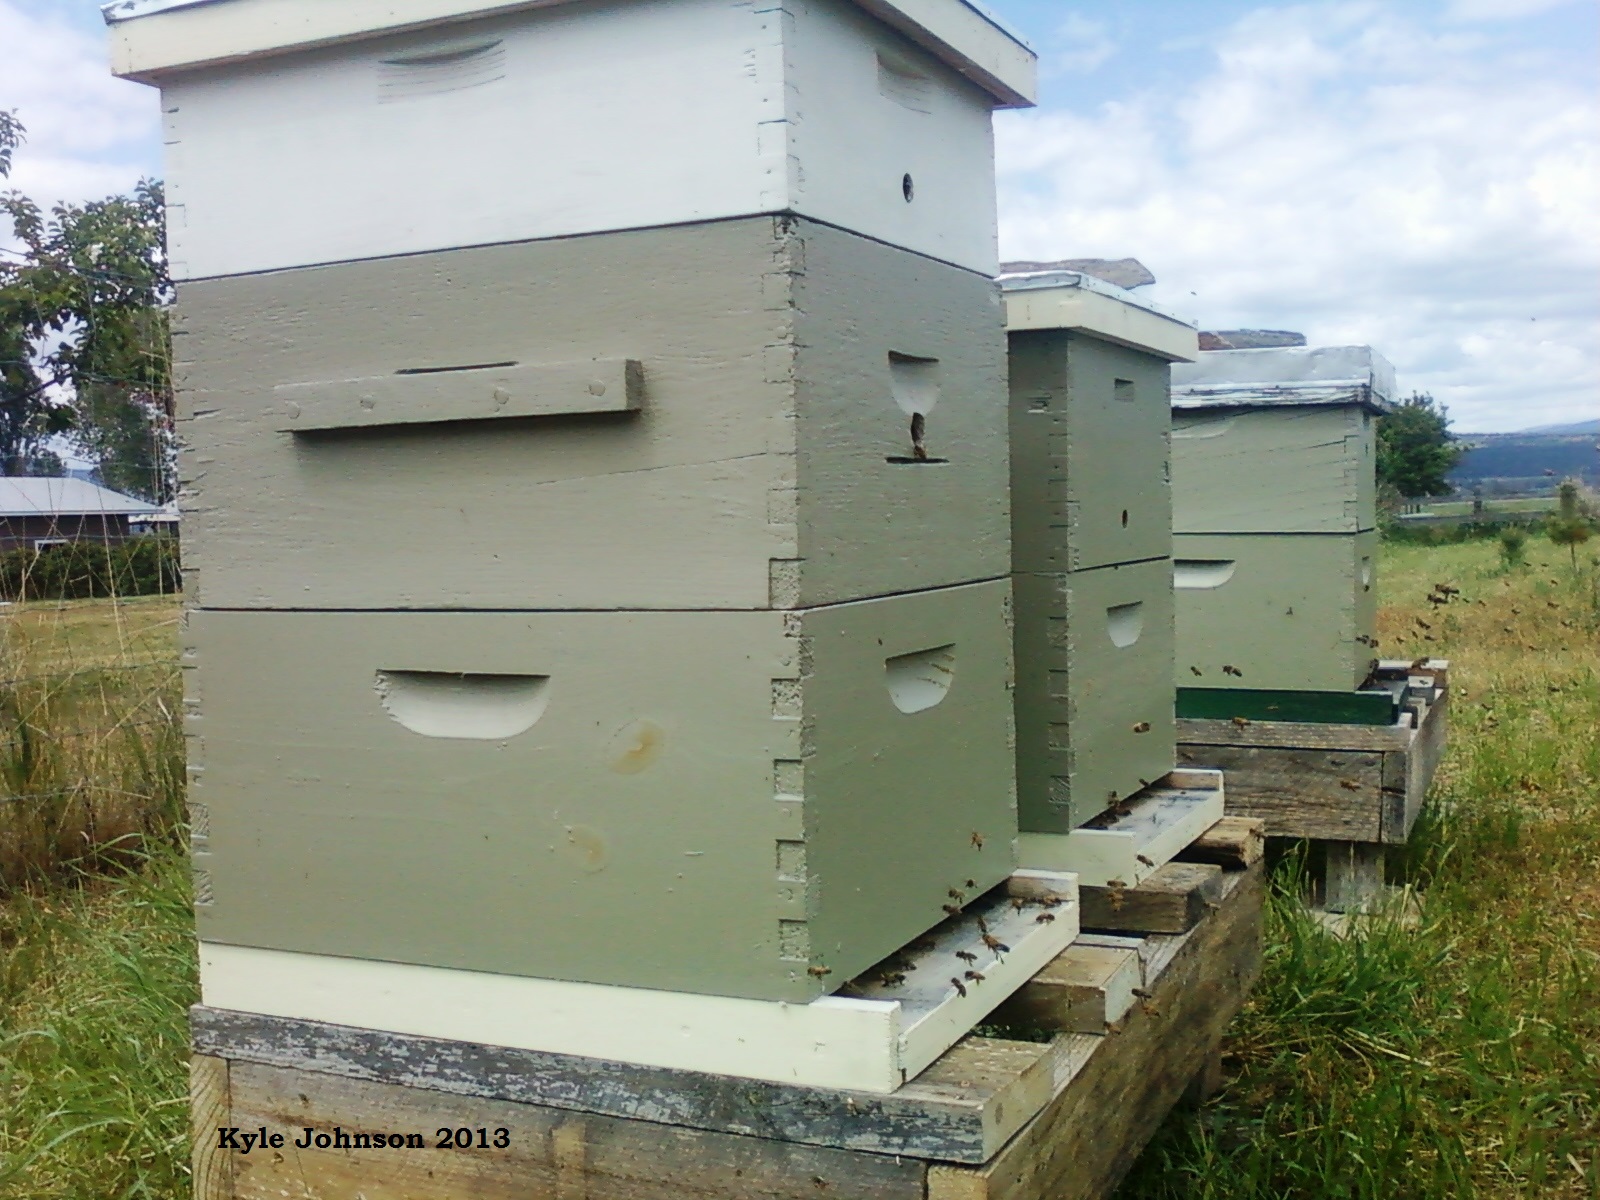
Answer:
[(754, 804), (709, 416)]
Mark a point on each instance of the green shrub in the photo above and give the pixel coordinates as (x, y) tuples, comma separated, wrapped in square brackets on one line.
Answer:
[(141, 566), (1513, 546)]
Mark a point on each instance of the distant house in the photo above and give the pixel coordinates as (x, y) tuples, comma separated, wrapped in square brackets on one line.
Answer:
[(40, 512)]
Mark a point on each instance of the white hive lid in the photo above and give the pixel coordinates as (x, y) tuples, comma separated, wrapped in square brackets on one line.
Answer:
[(1074, 300), (1282, 376), (150, 38)]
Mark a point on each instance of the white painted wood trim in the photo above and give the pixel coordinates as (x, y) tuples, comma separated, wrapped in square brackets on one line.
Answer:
[(1162, 821), (863, 1042), (832, 1042), (1101, 316), (149, 40)]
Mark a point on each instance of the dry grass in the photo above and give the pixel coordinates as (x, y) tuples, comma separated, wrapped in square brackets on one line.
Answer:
[(91, 753), (1460, 1058)]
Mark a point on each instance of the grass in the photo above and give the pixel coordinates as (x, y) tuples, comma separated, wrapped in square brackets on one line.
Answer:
[(1491, 506), (1460, 1058)]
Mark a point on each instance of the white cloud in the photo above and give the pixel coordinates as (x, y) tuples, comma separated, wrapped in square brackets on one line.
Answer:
[(1501, 10), (1356, 175), (1077, 44), (89, 135)]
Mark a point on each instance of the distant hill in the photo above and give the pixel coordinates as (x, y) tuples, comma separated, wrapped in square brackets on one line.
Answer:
[(1530, 461), (1570, 427)]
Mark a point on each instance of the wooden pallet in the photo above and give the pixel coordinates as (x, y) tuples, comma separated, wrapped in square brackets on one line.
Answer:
[(1357, 788), (1135, 1021)]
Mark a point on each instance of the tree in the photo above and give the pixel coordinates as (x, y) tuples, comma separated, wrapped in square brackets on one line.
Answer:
[(1415, 448), (1569, 525), (84, 341)]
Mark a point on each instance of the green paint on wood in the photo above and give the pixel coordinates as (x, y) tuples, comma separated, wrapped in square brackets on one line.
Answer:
[(1291, 612), (1274, 470), (1094, 690), (1089, 453), (706, 802), (1253, 704)]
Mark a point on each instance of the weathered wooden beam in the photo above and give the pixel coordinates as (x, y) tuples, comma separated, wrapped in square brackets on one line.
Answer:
[(1353, 876), (210, 1109), (1083, 1144), (1233, 843), (548, 1153), (962, 1108), (1171, 900), (1086, 989), (1309, 792)]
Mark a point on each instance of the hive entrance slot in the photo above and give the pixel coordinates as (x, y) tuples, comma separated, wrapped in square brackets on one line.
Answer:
[(1124, 623), (921, 679), (448, 704), (1201, 573)]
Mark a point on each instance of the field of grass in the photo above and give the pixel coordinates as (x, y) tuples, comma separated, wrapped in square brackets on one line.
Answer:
[(1461, 508), (1457, 1058)]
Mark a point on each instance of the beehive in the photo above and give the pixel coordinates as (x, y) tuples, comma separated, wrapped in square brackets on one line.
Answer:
[(1091, 542), (1274, 507), (597, 523)]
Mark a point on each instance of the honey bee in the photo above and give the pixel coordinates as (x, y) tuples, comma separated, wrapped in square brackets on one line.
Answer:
[(958, 897), (966, 956), (819, 972), (1044, 918), (977, 840), (952, 909), (892, 979), (975, 976), (1196, 671), (983, 926), (1142, 727), (1141, 993), (1350, 785), (1149, 862), (1228, 669), (995, 944), (1423, 623), (958, 985), (1019, 903), (1240, 722), (971, 883)]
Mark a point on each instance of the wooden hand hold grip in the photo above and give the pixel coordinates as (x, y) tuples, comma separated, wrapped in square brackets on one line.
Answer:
[(490, 392)]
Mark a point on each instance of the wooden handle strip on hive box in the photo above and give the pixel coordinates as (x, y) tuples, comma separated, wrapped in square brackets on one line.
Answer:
[(486, 392)]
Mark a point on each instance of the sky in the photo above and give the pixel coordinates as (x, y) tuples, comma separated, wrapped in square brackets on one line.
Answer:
[(1419, 175)]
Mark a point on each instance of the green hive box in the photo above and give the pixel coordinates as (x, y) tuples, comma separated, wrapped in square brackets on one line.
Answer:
[(1091, 542), (1094, 690), (1290, 612), (756, 804)]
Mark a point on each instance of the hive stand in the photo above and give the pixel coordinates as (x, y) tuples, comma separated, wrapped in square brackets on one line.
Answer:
[(1131, 1022), (1356, 789)]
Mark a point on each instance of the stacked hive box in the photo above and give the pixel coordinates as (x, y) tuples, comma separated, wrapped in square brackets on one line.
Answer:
[(595, 483), (1091, 544), (1274, 510)]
